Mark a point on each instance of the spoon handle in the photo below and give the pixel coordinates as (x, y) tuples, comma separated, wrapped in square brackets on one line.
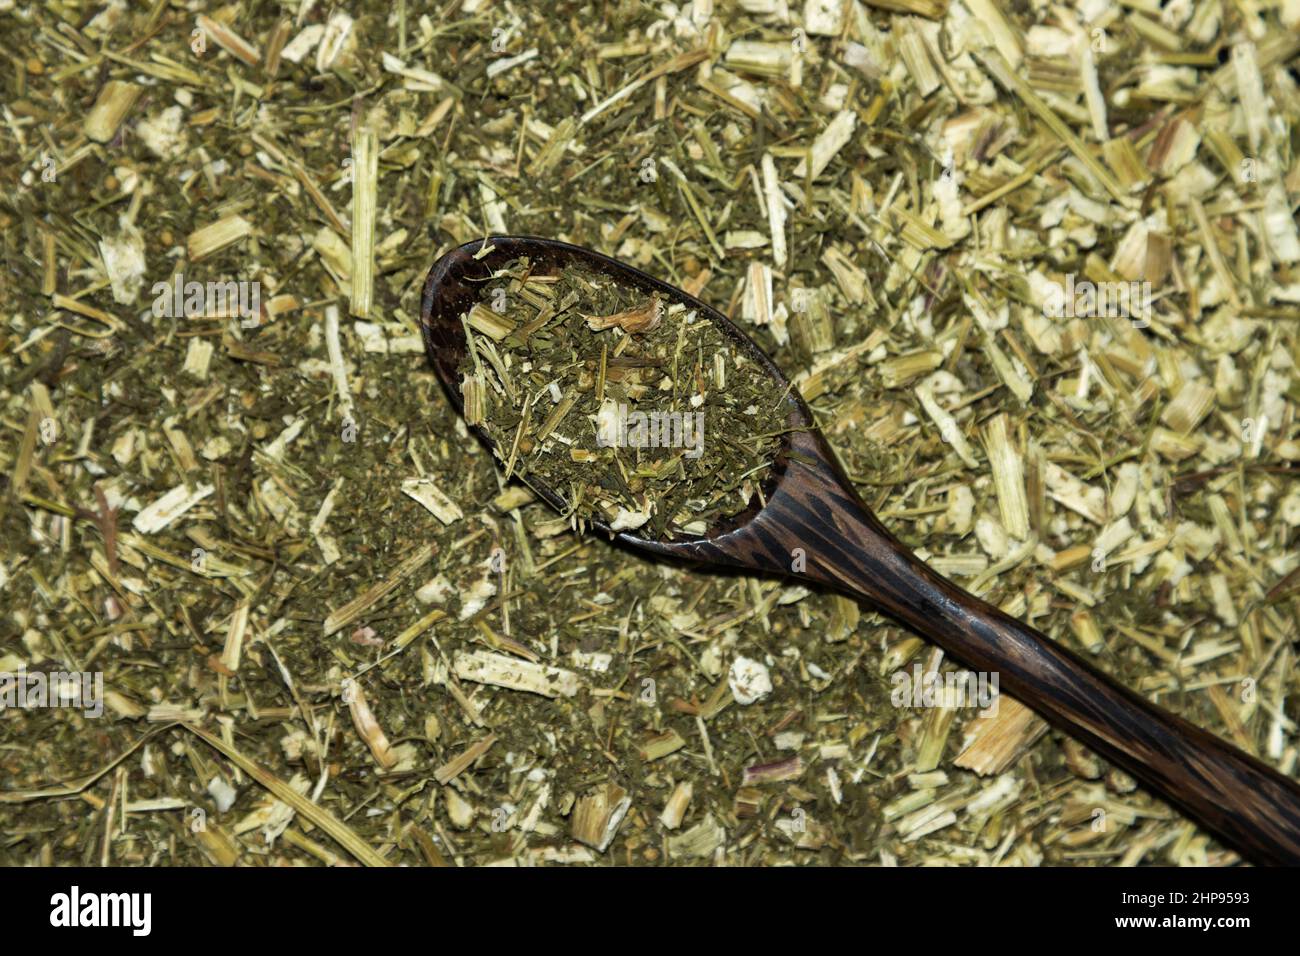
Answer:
[(1250, 806)]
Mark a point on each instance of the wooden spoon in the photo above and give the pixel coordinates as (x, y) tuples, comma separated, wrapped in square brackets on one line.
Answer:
[(813, 510)]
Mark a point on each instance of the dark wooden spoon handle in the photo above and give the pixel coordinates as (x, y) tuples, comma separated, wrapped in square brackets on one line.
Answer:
[(1252, 807)]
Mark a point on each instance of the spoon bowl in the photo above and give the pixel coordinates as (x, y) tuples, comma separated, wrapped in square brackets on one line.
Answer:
[(454, 285), (811, 524)]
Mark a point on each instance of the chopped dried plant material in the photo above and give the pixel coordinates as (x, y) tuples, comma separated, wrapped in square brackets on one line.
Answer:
[(674, 810), (598, 814), (699, 842), (664, 425), (661, 745), (995, 741), (464, 760), (791, 768), (159, 514), (114, 103), (365, 189), (427, 493), (483, 668), (368, 727), (229, 40), (337, 620), (212, 238), (639, 320)]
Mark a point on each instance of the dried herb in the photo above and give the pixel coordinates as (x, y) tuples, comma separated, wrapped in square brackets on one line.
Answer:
[(637, 410)]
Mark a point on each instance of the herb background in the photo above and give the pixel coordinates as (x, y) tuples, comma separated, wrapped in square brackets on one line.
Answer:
[(939, 165)]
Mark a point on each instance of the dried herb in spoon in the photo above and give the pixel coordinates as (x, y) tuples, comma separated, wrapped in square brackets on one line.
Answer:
[(636, 410)]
